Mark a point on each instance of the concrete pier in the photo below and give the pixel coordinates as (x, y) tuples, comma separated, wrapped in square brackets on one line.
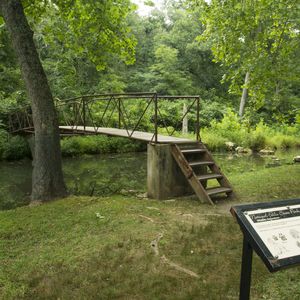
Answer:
[(164, 177)]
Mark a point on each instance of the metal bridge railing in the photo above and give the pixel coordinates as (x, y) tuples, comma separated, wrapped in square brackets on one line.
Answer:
[(130, 111)]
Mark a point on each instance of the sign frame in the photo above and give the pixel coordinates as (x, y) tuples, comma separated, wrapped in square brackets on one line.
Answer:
[(272, 263)]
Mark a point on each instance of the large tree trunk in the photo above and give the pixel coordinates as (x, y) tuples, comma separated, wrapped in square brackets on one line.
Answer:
[(47, 177), (244, 95)]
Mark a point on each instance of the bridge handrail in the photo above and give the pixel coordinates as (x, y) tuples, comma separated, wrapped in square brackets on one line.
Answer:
[(81, 111), (117, 95)]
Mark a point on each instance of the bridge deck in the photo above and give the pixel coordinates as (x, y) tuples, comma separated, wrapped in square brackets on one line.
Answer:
[(137, 135)]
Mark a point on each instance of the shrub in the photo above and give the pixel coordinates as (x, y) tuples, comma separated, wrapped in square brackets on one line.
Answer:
[(74, 146), (281, 141), (210, 111), (214, 141), (256, 141), (70, 147), (231, 129), (15, 147)]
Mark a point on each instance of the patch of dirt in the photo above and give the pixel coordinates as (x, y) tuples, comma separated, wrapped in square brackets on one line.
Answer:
[(223, 208), (35, 203)]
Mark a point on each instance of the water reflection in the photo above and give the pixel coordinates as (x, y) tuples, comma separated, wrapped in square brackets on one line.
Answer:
[(240, 163), (106, 174), (115, 173)]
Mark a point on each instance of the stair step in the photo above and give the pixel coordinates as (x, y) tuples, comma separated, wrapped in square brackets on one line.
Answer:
[(209, 176), (180, 154), (191, 151), (218, 190), (201, 163)]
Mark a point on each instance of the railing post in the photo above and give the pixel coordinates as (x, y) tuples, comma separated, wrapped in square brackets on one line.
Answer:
[(198, 120), (119, 111), (75, 121), (155, 117), (83, 113)]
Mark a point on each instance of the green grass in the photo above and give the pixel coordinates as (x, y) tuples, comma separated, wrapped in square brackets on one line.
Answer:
[(62, 250), (280, 182)]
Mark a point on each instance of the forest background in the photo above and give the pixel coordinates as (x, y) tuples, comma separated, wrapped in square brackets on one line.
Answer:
[(180, 48)]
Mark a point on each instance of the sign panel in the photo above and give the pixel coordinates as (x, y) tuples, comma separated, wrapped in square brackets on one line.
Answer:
[(279, 229), (273, 230)]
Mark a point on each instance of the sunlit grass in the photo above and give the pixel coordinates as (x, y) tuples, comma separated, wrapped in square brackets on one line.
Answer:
[(99, 248)]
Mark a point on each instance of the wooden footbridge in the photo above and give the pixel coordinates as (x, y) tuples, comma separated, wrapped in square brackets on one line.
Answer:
[(142, 116)]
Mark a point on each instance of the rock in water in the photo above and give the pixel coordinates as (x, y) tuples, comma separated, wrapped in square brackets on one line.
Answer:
[(296, 159), (266, 152), (230, 146), (243, 150)]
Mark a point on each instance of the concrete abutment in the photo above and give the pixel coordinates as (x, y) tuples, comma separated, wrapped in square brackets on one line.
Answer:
[(164, 177)]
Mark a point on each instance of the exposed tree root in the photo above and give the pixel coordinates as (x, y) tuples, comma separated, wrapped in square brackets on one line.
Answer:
[(147, 218), (178, 268), (152, 208), (154, 244), (164, 259)]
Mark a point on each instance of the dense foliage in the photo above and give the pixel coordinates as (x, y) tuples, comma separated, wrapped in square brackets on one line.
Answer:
[(261, 38), (255, 137)]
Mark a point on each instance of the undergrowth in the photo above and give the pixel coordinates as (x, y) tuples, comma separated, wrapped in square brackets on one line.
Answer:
[(74, 146), (17, 147), (260, 136), (13, 147)]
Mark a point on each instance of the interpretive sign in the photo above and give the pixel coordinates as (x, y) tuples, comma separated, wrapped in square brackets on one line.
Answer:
[(278, 228), (272, 229)]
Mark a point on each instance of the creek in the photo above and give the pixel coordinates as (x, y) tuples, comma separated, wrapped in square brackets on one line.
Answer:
[(104, 175)]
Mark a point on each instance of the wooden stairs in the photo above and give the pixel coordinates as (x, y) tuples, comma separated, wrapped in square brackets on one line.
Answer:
[(199, 167)]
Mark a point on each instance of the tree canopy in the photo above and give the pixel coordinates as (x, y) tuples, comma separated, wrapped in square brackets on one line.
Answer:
[(259, 37), (96, 28), (86, 50)]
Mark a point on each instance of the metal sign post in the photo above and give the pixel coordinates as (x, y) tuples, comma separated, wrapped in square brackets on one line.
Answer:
[(246, 270)]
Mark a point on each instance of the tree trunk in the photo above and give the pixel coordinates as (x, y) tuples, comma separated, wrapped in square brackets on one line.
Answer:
[(185, 120), (47, 176), (244, 95)]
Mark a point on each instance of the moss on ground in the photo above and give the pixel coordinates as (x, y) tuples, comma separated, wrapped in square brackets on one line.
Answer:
[(99, 248)]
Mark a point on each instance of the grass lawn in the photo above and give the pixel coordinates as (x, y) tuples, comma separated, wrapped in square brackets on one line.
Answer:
[(130, 248)]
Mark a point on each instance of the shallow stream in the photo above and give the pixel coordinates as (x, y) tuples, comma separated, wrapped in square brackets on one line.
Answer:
[(108, 174)]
